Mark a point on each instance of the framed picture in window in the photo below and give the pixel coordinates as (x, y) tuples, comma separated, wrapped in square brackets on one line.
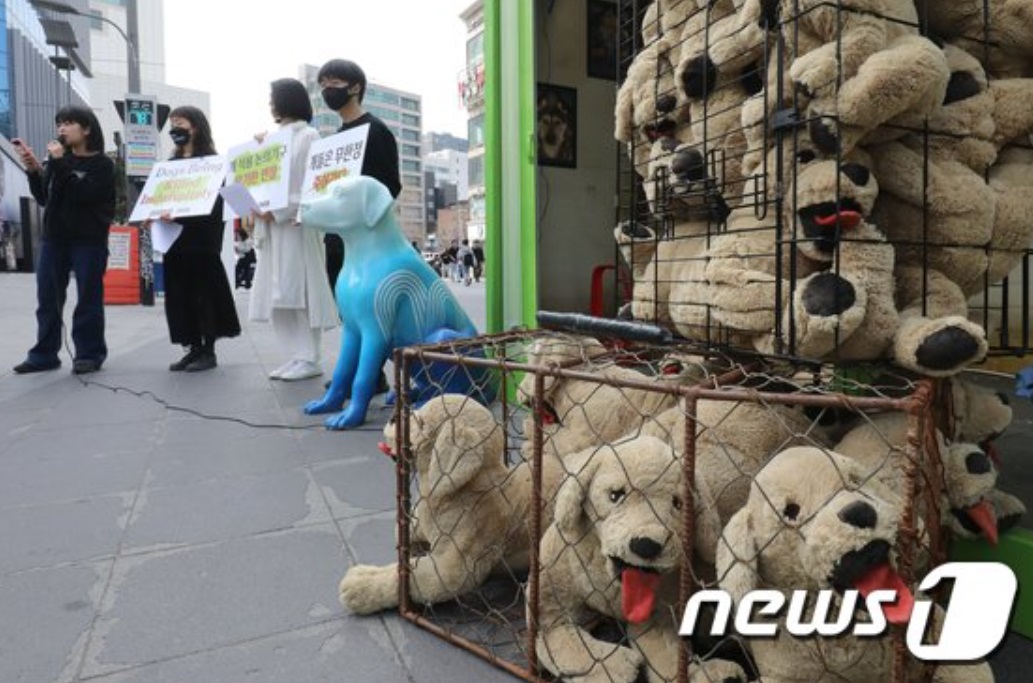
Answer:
[(602, 39), (557, 126)]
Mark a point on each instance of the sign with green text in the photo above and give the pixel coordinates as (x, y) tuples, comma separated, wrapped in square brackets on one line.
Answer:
[(333, 157), (264, 169), (181, 187)]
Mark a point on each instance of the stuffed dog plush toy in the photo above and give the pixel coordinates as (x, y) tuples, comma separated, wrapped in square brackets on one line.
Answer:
[(387, 295), (969, 500), (997, 30), (614, 550), (472, 512), (831, 529)]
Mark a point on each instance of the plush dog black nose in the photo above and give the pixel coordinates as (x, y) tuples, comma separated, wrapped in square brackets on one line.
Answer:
[(859, 514), (665, 104), (857, 173), (668, 144), (977, 462), (646, 548), (688, 163), (1004, 398)]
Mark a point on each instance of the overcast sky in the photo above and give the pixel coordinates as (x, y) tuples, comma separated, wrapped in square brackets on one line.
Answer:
[(234, 48)]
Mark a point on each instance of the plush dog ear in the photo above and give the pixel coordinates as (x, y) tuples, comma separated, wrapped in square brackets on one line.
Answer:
[(737, 556), (457, 455), (376, 200), (568, 512)]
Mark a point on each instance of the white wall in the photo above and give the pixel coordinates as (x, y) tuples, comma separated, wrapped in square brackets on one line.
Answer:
[(576, 212)]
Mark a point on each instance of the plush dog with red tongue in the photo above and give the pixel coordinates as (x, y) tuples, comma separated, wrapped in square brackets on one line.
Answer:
[(816, 520), (614, 551)]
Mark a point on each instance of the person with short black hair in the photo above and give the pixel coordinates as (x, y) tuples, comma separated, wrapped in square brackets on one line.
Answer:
[(76, 187), (344, 86), (199, 306), (290, 287)]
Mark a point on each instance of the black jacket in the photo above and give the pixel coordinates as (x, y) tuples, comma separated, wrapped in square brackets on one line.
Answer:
[(78, 196), (381, 158)]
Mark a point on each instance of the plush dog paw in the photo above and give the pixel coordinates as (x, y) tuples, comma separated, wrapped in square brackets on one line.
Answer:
[(366, 589), (940, 347), (815, 72), (620, 665)]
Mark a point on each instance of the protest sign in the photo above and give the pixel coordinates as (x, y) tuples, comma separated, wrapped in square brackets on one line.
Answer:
[(264, 169), (181, 187), (334, 157)]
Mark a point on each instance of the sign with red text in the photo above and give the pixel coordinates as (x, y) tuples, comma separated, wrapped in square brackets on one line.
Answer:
[(181, 187), (333, 157), (264, 169)]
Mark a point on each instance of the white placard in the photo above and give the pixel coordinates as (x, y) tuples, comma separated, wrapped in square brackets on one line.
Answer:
[(264, 168), (164, 234), (334, 157), (181, 187), (238, 201)]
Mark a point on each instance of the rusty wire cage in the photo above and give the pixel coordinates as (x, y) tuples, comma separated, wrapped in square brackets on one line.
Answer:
[(772, 176), (570, 405)]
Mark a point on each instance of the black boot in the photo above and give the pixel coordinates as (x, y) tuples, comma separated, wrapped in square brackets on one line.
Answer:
[(206, 359), (193, 354)]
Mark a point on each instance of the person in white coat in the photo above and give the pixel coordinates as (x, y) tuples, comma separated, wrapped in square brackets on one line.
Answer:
[(290, 287)]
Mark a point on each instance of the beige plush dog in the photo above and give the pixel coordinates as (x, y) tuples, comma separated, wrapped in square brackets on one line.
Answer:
[(733, 441), (614, 550), (970, 502), (831, 529), (473, 512), (577, 414)]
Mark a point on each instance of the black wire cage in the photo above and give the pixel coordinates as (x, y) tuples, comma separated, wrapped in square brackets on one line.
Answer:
[(822, 181)]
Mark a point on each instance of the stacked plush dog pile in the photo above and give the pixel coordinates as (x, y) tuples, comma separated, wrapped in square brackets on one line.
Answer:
[(849, 174)]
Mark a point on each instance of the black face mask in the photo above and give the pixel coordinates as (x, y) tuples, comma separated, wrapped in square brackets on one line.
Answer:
[(337, 98), (180, 136)]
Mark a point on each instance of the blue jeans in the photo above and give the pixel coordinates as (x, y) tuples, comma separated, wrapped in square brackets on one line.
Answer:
[(56, 264)]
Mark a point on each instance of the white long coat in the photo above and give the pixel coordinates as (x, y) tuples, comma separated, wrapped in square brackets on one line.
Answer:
[(291, 261)]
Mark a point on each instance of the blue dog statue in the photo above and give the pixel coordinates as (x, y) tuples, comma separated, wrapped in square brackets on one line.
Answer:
[(389, 298)]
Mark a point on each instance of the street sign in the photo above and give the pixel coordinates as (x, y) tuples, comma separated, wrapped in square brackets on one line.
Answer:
[(141, 121)]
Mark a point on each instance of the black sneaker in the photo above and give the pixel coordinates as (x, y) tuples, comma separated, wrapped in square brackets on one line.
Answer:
[(204, 361), (180, 365), (28, 367), (84, 366)]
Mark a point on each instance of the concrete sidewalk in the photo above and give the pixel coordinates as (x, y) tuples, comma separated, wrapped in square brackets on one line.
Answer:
[(142, 544)]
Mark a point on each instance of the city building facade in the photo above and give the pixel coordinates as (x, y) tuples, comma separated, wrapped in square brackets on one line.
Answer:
[(435, 142), (45, 63), (471, 89), (110, 77), (402, 113)]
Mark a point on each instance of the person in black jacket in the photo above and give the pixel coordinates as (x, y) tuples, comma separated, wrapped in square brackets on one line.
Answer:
[(344, 86), (199, 305), (76, 187)]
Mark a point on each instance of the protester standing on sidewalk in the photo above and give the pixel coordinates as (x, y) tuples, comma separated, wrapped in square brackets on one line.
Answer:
[(76, 187), (290, 288), (344, 85), (199, 304)]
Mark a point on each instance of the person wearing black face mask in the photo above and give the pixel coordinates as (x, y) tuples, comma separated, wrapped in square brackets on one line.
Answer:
[(199, 306), (344, 85)]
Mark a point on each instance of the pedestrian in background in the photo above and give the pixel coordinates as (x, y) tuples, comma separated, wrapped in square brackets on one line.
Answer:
[(76, 188), (467, 262), (291, 287), (478, 253), (344, 86), (199, 305)]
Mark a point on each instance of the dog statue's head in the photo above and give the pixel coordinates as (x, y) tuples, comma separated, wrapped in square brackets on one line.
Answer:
[(453, 437), (813, 521), (626, 497), (350, 203)]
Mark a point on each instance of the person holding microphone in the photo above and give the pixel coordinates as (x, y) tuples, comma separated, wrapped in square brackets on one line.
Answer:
[(76, 188)]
